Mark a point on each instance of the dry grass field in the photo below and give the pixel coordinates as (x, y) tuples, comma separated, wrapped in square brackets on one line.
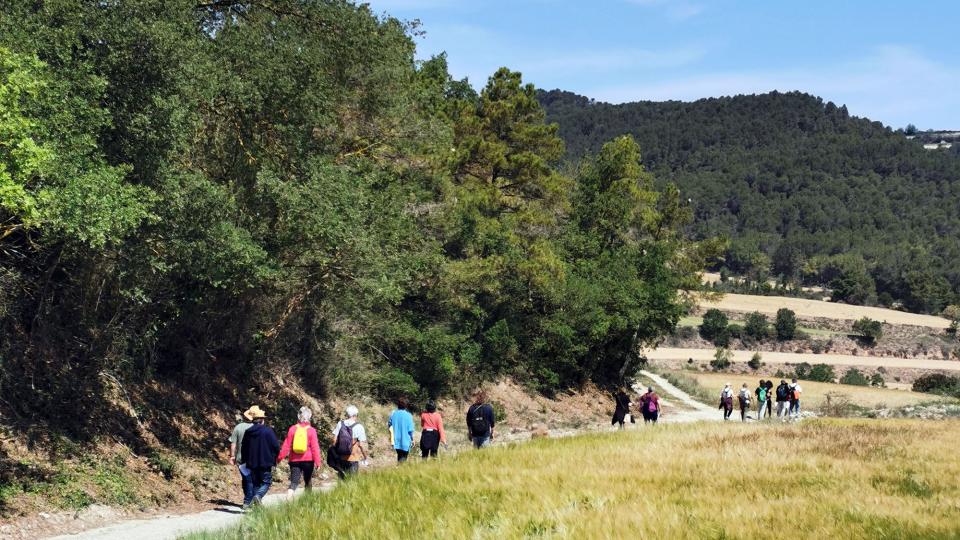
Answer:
[(705, 355), (814, 392), (846, 479), (814, 308)]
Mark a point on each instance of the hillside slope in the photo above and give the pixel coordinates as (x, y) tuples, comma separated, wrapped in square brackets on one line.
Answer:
[(794, 182)]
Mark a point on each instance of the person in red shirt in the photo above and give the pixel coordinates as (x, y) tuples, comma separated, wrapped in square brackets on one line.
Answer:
[(433, 435), (301, 464)]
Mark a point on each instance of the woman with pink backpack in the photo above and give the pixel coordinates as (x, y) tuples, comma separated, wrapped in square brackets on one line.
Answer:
[(650, 406), (303, 450)]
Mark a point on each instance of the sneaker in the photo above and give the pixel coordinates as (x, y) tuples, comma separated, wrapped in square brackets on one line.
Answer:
[(245, 509), (257, 501)]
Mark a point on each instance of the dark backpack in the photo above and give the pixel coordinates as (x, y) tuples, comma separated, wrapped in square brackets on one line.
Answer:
[(782, 392), (344, 444), (479, 426)]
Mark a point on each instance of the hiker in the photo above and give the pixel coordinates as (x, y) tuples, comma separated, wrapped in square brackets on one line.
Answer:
[(726, 401), (433, 435), (236, 438), (480, 421), (348, 450), (795, 398), (762, 395), (783, 399), (650, 406), (303, 449), (258, 453), (622, 410), (769, 398), (744, 399), (401, 429)]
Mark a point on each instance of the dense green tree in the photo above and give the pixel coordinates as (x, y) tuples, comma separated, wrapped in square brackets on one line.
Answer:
[(756, 326), (786, 324), (714, 326), (868, 329), (854, 376)]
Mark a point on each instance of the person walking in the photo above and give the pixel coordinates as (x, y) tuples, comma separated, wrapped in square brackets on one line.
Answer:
[(744, 398), (236, 438), (726, 401), (762, 398), (795, 392), (348, 450), (303, 449), (258, 453), (401, 429), (622, 410), (480, 421), (769, 398), (432, 436), (783, 399), (650, 406)]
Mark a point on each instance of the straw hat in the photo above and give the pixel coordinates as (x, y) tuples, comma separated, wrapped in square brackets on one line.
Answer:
[(254, 413)]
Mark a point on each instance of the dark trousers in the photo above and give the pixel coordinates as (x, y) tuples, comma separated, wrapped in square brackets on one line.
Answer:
[(651, 416), (727, 408), (402, 455), (429, 443), (769, 407), (261, 477), (348, 468), (300, 469)]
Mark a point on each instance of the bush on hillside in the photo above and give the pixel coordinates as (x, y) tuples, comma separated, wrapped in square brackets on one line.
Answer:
[(393, 383), (786, 324), (757, 327), (937, 383), (755, 361), (877, 380), (722, 359), (855, 377), (868, 329), (714, 327), (817, 372)]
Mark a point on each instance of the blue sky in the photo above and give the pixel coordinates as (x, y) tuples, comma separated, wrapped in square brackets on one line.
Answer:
[(893, 61)]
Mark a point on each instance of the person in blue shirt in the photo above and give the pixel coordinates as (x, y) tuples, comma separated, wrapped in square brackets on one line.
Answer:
[(401, 426)]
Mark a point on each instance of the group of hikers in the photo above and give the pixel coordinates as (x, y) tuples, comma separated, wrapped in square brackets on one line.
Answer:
[(649, 407), (787, 396), (255, 448)]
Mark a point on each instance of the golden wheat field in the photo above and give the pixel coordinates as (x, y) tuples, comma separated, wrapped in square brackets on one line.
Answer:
[(816, 479)]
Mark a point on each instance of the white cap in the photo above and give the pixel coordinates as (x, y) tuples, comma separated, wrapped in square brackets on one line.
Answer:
[(352, 411)]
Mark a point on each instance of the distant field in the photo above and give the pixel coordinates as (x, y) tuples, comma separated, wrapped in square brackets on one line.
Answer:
[(813, 392), (705, 355), (815, 308), (848, 479), (692, 321)]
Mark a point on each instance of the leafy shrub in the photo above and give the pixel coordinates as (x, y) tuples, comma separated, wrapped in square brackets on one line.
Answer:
[(868, 329), (722, 359), (838, 405), (393, 383), (499, 411), (802, 370), (877, 380), (855, 377), (714, 326), (735, 330), (755, 361), (822, 373), (757, 327), (937, 383), (786, 324)]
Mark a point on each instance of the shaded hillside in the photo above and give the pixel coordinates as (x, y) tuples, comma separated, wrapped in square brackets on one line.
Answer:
[(803, 189)]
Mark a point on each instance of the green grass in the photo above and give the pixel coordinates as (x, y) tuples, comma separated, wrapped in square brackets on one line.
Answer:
[(822, 479)]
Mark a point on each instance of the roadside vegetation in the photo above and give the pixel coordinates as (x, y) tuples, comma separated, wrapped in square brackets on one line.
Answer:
[(672, 481)]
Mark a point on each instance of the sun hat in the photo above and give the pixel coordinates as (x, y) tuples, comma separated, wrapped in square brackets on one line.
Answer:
[(254, 412)]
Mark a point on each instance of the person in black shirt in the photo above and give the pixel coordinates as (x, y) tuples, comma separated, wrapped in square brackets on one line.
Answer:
[(622, 408), (480, 421)]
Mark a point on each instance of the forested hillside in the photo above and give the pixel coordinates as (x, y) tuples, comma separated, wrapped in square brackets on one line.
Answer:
[(804, 191), (201, 203)]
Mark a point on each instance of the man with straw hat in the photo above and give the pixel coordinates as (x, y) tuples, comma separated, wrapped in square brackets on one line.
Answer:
[(236, 437), (258, 453)]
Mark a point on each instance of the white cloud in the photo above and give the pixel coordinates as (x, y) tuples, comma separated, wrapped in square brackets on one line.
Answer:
[(894, 84)]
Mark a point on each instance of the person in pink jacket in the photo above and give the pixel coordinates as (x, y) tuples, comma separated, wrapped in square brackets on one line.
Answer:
[(302, 464)]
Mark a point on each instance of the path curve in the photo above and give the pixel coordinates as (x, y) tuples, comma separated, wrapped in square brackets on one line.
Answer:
[(700, 412)]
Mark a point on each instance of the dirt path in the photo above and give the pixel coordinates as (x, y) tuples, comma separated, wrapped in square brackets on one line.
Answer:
[(699, 412), (705, 355)]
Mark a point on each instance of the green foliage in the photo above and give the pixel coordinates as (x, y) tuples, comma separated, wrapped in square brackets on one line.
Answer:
[(937, 383), (817, 372), (855, 377), (756, 326), (786, 324), (877, 380), (391, 384), (792, 181), (756, 361), (722, 359), (714, 327), (868, 329)]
